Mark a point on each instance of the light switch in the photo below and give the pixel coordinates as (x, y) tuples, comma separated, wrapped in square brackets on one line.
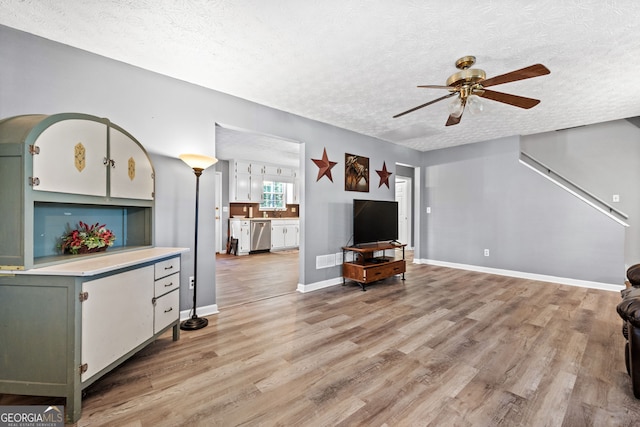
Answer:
[(616, 198), (428, 209)]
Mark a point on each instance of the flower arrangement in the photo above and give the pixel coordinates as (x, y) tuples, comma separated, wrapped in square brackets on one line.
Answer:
[(87, 238)]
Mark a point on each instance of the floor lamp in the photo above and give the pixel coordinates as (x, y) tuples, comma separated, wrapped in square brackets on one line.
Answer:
[(198, 163)]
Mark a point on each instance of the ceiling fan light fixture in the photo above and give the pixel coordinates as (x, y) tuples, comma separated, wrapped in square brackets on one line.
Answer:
[(475, 104), (456, 107)]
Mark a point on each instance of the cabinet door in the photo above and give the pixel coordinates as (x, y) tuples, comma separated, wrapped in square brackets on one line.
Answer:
[(278, 236), (131, 173), (242, 167), (256, 188), (71, 159), (241, 188), (245, 238), (271, 170), (285, 172), (116, 317), (291, 236)]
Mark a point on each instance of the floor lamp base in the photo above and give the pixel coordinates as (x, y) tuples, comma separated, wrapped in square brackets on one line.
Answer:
[(194, 323)]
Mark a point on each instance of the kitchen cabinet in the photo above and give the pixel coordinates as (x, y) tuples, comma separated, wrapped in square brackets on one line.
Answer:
[(241, 230), (293, 192), (245, 181), (285, 233), (279, 174)]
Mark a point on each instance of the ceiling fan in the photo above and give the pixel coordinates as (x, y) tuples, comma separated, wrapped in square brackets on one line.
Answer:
[(470, 83)]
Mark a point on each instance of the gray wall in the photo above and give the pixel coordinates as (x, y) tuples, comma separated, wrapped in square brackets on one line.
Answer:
[(482, 198), (170, 117), (604, 159), (480, 195)]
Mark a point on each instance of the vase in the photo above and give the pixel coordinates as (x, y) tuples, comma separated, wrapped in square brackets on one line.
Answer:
[(86, 250)]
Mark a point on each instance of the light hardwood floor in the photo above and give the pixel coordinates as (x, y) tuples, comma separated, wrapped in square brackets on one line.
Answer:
[(248, 278), (444, 348)]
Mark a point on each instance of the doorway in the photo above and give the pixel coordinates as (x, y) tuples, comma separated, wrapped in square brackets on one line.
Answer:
[(242, 279), (404, 199)]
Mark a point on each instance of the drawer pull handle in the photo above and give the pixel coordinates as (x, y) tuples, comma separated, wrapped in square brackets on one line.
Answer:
[(170, 309), (169, 284), (169, 268)]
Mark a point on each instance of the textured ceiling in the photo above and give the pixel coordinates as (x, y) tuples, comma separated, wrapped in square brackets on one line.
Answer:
[(356, 63)]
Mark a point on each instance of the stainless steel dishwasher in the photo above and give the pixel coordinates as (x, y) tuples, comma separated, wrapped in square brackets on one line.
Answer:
[(260, 235)]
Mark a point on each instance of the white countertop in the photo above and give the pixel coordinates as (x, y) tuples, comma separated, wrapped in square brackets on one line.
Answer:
[(102, 264), (270, 218)]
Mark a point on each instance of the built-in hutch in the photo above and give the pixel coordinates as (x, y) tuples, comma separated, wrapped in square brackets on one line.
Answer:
[(66, 320)]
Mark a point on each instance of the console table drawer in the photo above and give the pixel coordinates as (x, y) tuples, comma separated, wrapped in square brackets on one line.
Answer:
[(383, 270), (372, 272)]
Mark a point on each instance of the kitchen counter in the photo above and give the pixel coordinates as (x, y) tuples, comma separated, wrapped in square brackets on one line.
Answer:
[(259, 218)]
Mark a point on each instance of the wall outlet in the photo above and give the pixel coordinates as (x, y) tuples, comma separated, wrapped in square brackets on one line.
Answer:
[(191, 281), (293, 209), (616, 198), (428, 209), (244, 209), (486, 252)]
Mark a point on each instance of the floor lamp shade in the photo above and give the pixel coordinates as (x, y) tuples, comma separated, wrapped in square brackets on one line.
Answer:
[(198, 163)]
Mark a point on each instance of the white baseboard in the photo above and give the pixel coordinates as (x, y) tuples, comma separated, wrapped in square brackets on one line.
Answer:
[(319, 285), (523, 275), (206, 310)]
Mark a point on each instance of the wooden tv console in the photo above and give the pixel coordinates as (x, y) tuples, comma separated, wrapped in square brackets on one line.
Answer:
[(366, 267)]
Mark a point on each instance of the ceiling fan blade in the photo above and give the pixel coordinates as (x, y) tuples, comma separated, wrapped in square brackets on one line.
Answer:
[(437, 87), (521, 74), (424, 105), (515, 100), (453, 120)]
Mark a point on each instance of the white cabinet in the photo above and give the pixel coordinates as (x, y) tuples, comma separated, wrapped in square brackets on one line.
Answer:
[(124, 310), (117, 316), (279, 173), (241, 230), (166, 300), (78, 156), (69, 157), (130, 171), (285, 234), (245, 182), (293, 192)]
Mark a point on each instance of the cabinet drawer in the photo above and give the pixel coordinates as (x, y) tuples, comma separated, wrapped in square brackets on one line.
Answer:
[(167, 267), (384, 270), (372, 272), (166, 284), (166, 311)]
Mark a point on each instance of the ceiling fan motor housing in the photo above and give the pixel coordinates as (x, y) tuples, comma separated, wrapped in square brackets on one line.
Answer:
[(470, 77)]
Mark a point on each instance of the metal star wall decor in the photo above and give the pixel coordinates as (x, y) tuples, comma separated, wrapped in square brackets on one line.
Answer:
[(324, 166), (384, 175)]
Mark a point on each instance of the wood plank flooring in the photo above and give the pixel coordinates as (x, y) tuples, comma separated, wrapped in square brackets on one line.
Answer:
[(444, 348), (247, 278)]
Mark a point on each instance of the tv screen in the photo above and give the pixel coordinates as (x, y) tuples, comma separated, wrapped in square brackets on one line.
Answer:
[(374, 221)]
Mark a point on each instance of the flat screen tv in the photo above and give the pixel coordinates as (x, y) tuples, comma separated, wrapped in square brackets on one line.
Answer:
[(374, 221)]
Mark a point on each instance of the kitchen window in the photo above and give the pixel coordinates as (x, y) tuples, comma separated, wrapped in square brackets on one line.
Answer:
[(273, 195)]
